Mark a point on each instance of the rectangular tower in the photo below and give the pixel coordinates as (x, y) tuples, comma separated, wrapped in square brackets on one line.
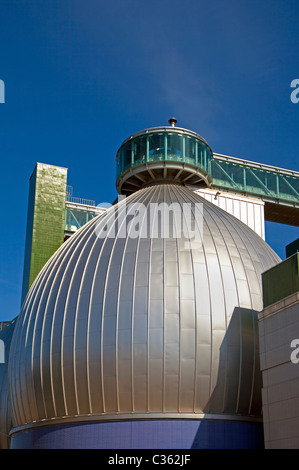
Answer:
[(45, 219)]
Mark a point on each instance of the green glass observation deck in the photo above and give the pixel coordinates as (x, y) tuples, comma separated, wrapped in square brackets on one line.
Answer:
[(162, 153), (180, 155)]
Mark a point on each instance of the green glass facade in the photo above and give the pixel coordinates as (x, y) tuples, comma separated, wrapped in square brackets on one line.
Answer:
[(163, 146), (75, 218), (227, 173), (258, 180), (45, 220)]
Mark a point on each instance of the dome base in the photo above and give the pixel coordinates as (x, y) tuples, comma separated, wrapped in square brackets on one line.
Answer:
[(144, 434)]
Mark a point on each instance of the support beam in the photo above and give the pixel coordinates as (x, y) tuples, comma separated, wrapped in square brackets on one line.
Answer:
[(282, 214)]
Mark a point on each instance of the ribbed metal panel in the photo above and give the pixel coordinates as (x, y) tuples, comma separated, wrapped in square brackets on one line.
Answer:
[(137, 326)]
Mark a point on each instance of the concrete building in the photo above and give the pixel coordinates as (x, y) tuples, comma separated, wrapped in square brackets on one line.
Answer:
[(128, 338), (279, 342)]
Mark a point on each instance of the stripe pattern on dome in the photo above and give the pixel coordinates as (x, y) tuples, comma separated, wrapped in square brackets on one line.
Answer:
[(137, 326)]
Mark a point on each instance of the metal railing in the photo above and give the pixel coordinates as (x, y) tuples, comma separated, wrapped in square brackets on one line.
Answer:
[(79, 200), (253, 178)]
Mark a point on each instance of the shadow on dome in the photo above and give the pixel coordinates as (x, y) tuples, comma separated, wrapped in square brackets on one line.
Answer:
[(236, 397)]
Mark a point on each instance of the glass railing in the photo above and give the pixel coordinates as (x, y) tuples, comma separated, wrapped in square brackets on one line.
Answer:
[(261, 181), (76, 218), (163, 146), (226, 172)]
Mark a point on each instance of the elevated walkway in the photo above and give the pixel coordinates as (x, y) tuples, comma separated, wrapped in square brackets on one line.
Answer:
[(277, 187)]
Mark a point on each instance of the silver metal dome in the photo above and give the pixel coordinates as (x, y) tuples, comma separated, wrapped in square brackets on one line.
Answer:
[(138, 327)]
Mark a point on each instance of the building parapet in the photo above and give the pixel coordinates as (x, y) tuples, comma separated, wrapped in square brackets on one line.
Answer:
[(281, 281)]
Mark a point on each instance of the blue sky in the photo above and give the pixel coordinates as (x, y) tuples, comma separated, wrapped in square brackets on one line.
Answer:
[(82, 75)]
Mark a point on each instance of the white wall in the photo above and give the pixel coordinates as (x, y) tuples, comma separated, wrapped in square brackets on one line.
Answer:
[(248, 210)]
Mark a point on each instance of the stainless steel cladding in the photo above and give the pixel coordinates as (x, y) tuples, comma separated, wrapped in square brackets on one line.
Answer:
[(120, 327)]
